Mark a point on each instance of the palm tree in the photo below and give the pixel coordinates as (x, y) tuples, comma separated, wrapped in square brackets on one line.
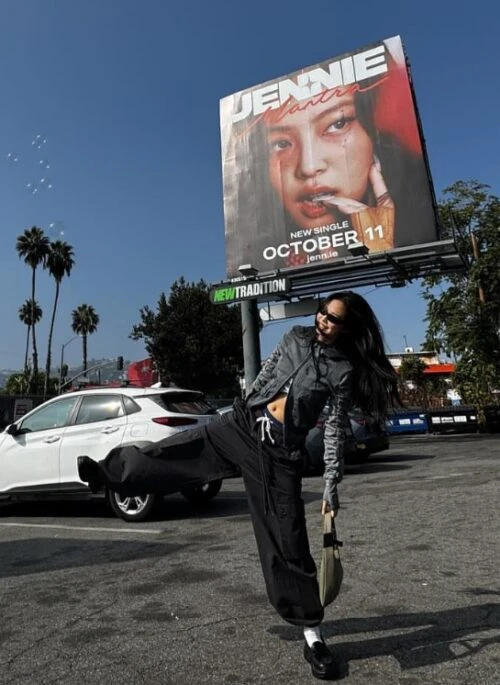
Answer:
[(85, 320), (59, 263), (33, 247), (26, 312)]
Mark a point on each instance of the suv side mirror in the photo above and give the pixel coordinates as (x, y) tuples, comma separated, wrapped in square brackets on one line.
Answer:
[(13, 429)]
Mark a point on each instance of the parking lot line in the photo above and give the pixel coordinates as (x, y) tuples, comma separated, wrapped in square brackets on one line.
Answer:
[(84, 528)]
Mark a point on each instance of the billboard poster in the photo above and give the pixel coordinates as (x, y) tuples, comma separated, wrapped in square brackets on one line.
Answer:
[(322, 158)]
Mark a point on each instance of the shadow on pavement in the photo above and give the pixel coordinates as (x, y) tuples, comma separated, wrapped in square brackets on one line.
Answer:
[(39, 555), (388, 458), (378, 463), (433, 637), (447, 437), (377, 467), (363, 467), (227, 503), (83, 509), (173, 508)]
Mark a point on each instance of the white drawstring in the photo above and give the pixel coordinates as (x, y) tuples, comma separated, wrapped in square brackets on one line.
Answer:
[(263, 425), (265, 428)]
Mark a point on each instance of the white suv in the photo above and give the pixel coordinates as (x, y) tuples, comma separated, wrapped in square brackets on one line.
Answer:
[(38, 453)]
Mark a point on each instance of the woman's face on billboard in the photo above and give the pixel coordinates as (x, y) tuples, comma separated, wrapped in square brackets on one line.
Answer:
[(321, 149)]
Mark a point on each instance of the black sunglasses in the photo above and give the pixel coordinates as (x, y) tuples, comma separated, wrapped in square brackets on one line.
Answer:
[(332, 318)]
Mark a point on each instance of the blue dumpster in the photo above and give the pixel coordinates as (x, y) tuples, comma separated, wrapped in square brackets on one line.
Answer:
[(407, 422)]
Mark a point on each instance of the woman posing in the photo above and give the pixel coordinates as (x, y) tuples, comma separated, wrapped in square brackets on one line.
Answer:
[(340, 361)]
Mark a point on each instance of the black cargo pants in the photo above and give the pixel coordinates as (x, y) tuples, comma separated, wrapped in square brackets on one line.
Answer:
[(273, 482)]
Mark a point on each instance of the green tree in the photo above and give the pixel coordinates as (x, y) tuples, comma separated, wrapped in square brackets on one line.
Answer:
[(20, 384), (59, 264), (33, 247), (194, 343), (437, 387), (412, 382), (419, 389), (17, 384), (26, 313), (463, 309), (84, 322)]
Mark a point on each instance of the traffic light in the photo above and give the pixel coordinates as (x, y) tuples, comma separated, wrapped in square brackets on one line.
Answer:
[(119, 363)]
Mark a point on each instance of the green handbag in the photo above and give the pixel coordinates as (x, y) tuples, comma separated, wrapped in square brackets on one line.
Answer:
[(331, 571)]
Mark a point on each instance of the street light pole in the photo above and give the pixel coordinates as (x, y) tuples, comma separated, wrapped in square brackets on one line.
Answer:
[(62, 361)]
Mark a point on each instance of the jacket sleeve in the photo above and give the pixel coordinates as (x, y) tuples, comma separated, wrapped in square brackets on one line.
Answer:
[(335, 429), (266, 373)]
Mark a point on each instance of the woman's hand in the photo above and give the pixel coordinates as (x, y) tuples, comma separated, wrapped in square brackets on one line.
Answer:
[(325, 508), (374, 225)]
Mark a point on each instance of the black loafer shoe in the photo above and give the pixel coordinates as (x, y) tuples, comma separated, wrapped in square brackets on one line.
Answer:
[(322, 663), (88, 471)]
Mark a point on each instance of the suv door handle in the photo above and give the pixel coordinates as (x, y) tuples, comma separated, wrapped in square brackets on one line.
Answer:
[(54, 438), (110, 429)]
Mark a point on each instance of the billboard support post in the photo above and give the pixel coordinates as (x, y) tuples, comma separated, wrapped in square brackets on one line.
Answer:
[(251, 341)]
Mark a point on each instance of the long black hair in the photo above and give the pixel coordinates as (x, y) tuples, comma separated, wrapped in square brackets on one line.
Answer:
[(375, 385)]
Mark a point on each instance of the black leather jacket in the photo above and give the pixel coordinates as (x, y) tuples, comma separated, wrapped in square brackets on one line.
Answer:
[(319, 374)]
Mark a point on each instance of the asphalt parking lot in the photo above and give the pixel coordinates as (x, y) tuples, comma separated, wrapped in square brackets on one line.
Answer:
[(89, 599)]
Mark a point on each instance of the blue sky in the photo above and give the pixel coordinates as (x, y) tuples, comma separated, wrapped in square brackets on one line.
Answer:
[(126, 93)]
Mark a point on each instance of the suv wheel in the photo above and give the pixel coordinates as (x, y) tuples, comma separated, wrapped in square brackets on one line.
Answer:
[(202, 493), (136, 508)]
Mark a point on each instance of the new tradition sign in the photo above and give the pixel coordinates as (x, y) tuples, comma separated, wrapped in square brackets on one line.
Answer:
[(267, 289)]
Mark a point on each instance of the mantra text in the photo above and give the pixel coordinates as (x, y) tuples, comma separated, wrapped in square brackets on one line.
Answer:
[(352, 69)]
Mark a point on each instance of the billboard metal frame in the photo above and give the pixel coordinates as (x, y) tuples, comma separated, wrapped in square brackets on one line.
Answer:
[(395, 269)]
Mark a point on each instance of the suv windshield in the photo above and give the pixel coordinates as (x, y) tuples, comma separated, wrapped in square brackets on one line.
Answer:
[(183, 403)]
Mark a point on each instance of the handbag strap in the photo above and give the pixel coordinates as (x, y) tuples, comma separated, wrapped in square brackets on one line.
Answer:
[(329, 532)]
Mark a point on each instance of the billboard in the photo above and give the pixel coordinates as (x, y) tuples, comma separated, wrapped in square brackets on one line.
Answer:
[(322, 158)]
